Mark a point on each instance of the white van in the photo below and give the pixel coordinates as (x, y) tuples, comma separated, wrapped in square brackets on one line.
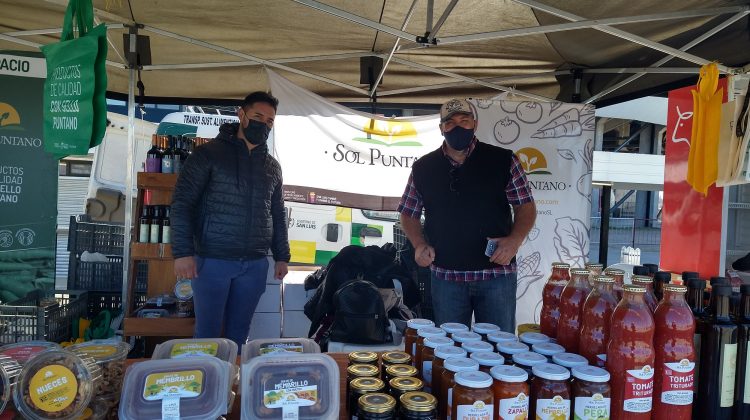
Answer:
[(316, 232)]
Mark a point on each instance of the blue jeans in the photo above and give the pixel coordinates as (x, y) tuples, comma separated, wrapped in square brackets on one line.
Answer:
[(492, 301), (225, 294)]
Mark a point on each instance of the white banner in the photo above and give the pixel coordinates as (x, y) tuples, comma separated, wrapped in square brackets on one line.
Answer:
[(331, 154)]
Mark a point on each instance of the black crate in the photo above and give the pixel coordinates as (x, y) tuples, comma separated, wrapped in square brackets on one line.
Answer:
[(105, 238), (99, 301), (26, 319), (103, 276)]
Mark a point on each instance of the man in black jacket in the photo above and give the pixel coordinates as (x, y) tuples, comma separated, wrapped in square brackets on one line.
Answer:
[(227, 211)]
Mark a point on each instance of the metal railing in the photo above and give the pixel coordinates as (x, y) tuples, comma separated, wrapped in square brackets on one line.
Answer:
[(628, 231)]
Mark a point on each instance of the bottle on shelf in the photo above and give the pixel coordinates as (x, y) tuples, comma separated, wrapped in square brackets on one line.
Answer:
[(695, 302), (166, 226), (674, 378), (155, 233), (144, 225), (571, 306), (648, 283), (167, 158), (661, 278), (596, 316), (718, 361), (595, 269), (619, 276), (630, 356), (177, 167), (551, 298), (742, 384), (153, 156)]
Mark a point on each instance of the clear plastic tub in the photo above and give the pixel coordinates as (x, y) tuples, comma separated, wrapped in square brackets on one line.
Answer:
[(9, 371), (195, 388), (22, 352), (263, 346), (98, 409), (222, 348), (110, 356), (287, 384), (56, 384)]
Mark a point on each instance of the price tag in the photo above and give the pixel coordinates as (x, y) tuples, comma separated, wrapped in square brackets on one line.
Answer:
[(170, 408)]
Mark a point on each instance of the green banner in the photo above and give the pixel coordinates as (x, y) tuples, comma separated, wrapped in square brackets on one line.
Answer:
[(28, 180)]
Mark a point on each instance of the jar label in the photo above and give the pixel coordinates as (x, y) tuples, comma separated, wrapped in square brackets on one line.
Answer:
[(728, 370), (183, 384), (53, 388), (99, 352), (143, 233), (427, 372), (746, 397), (194, 349), (514, 408), (601, 360), (165, 235), (595, 407), (639, 389), (677, 383), (552, 409), (289, 393), (289, 346), (477, 411)]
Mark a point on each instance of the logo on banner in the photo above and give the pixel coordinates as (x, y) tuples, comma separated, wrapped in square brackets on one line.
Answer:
[(533, 161), (389, 133), (9, 117)]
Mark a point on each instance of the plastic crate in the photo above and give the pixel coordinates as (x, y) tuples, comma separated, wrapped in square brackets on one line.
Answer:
[(105, 238), (99, 301), (25, 319), (104, 276), (399, 237)]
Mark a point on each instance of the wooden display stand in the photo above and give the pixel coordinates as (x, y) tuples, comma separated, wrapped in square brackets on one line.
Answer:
[(161, 278)]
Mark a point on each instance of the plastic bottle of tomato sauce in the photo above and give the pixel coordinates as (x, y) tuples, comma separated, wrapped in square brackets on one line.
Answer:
[(675, 356), (571, 308), (551, 298), (410, 335), (630, 356), (596, 315)]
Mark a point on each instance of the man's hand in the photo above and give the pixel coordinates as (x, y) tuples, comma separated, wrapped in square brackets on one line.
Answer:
[(184, 268), (424, 255), (507, 248), (280, 270)]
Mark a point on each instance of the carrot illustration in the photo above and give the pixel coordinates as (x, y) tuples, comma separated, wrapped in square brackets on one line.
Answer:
[(569, 129), (568, 116)]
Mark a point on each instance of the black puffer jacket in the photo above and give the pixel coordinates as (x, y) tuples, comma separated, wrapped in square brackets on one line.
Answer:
[(228, 202)]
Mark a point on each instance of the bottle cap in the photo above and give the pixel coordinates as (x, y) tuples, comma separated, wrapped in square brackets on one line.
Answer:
[(376, 403), (569, 360), (420, 402), (508, 373), (435, 342), (449, 352), (604, 279), (426, 332), (663, 276), (466, 336), (591, 374), (675, 288), (453, 327), (722, 290), (488, 358), (474, 379), (477, 346), (528, 358), (640, 270), (512, 347), (532, 338), (418, 323), (484, 328), (689, 275), (461, 364), (501, 336), (548, 349), (551, 372)]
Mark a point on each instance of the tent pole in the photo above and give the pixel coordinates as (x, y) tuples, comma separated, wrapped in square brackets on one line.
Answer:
[(129, 187), (441, 21), (374, 86)]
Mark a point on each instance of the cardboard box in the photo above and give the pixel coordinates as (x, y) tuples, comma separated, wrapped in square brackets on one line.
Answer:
[(295, 324), (270, 301), (270, 278), (265, 325), (294, 294)]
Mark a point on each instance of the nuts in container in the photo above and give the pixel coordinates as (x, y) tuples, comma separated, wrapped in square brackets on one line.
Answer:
[(110, 356), (22, 352), (9, 371)]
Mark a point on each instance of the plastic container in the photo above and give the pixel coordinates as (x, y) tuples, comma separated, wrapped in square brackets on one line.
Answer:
[(263, 346), (548, 350), (22, 352), (9, 371), (201, 384), (67, 382), (152, 313), (308, 383), (531, 338), (221, 348), (110, 356), (98, 409), (497, 337)]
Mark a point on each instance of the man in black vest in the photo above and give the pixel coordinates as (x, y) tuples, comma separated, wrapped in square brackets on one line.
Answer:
[(467, 190)]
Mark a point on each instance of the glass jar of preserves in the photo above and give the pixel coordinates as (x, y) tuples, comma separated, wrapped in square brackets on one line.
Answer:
[(410, 335), (619, 277), (360, 387), (391, 358), (571, 308), (447, 382), (511, 391), (465, 337), (484, 328), (451, 328), (551, 298), (509, 348), (400, 386), (376, 406), (418, 406), (569, 360), (399, 371), (442, 354), (487, 360), (528, 360), (477, 346), (423, 333), (597, 313), (548, 350), (648, 283), (359, 371), (472, 396), (591, 393), (428, 356), (363, 358), (550, 391), (532, 338), (595, 269), (497, 337)]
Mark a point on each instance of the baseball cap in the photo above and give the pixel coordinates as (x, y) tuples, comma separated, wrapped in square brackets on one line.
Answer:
[(455, 106)]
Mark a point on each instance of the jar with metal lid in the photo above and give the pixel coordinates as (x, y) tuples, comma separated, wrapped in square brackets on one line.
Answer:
[(424, 333), (477, 346), (465, 337), (569, 360), (363, 358), (183, 291), (428, 355), (619, 276), (399, 371), (447, 381), (391, 358), (591, 393), (497, 337), (410, 335), (527, 360), (400, 386), (360, 387), (451, 328), (512, 393), (484, 328), (418, 406), (376, 406), (442, 354), (550, 392), (548, 350), (359, 371), (532, 338), (508, 348), (595, 269), (487, 360), (472, 396)]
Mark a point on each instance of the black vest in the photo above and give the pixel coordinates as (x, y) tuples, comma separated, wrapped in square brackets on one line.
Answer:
[(464, 205)]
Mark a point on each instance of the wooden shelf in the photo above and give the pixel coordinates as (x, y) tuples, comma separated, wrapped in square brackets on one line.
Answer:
[(147, 251), (156, 181), (159, 327)]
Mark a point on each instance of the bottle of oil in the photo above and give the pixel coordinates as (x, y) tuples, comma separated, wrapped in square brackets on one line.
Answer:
[(742, 387)]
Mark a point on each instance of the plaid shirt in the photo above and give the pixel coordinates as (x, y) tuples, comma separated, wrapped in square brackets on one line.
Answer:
[(517, 192)]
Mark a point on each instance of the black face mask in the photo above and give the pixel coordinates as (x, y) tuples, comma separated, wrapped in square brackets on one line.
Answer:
[(256, 132), (459, 138)]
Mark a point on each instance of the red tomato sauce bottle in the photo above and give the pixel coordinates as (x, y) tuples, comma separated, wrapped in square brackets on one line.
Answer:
[(551, 298), (648, 283), (596, 316), (571, 308), (674, 376), (630, 356)]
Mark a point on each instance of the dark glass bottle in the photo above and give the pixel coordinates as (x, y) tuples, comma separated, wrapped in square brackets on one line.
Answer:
[(144, 225), (695, 301), (155, 234), (718, 359), (153, 156), (166, 226), (661, 278), (640, 270), (177, 154), (167, 158), (742, 387)]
